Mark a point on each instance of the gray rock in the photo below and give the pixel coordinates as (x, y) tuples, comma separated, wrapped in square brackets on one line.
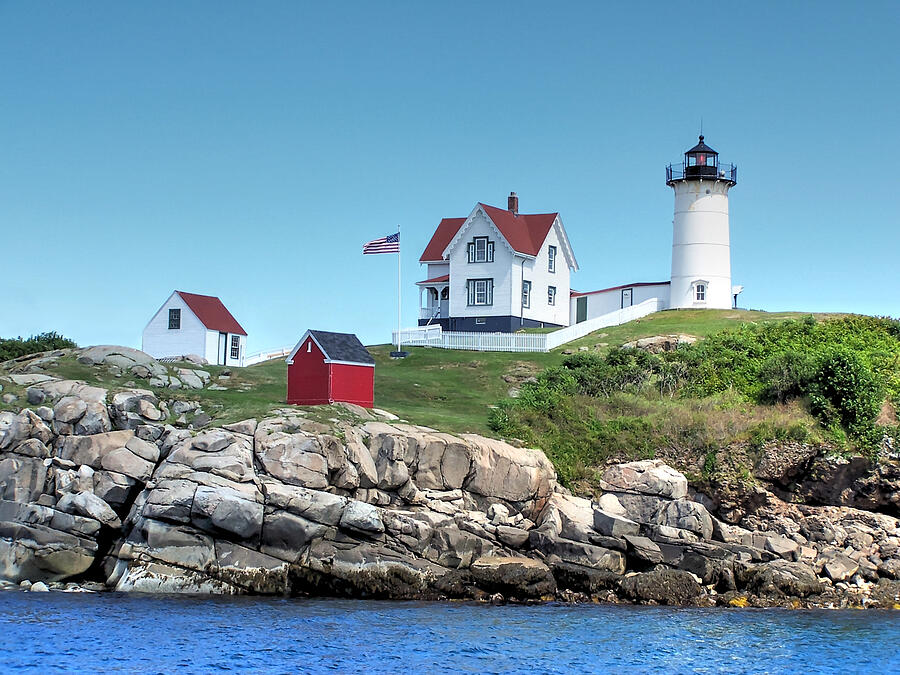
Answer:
[(189, 378), (89, 505), (39, 587), (69, 410), (246, 427), (143, 449), (113, 488), (512, 474), (362, 517), (841, 567), (226, 510), (293, 458), (685, 515), (779, 577), (649, 476), (315, 505), (126, 462), (514, 537), (22, 479), (285, 535), (113, 355), (90, 450), (515, 577), (644, 549), (614, 526), (178, 545), (666, 587), (170, 500)]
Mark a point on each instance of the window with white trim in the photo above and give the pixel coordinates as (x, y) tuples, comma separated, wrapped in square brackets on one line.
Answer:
[(174, 319), (235, 346), (526, 294), (551, 295), (480, 321), (480, 291), (551, 259), (700, 292), (480, 249)]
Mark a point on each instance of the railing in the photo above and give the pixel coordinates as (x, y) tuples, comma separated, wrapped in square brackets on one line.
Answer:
[(259, 357), (619, 316), (434, 311), (726, 172), (422, 336)]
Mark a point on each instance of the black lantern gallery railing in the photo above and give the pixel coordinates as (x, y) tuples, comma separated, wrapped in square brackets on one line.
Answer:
[(679, 171)]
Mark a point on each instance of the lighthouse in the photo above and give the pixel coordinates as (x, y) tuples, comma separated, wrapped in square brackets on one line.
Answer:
[(701, 249)]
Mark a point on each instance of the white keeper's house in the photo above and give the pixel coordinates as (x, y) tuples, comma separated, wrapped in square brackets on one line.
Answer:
[(188, 323), (497, 270)]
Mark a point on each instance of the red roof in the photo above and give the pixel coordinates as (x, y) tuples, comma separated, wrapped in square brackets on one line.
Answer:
[(443, 279), (524, 232), (212, 313), (576, 294), (445, 231)]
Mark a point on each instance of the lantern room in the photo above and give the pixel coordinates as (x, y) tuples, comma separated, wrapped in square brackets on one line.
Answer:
[(701, 160), (701, 163)]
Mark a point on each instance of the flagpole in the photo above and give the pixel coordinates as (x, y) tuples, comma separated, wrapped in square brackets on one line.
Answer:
[(399, 291)]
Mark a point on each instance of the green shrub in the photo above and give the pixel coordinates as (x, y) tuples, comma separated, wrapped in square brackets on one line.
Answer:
[(13, 348), (786, 375), (844, 389)]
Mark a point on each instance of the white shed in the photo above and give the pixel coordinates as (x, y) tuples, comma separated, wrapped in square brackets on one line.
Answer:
[(188, 323)]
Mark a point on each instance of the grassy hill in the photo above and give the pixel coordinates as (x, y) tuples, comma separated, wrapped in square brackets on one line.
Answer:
[(702, 408), (452, 390)]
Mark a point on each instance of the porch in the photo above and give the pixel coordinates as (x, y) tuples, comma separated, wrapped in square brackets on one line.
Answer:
[(434, 298)]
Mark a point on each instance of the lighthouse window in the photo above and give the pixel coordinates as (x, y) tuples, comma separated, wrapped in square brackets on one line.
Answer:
[(701, 292)]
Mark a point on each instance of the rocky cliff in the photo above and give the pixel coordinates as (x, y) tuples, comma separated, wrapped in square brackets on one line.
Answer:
[(98, 491)]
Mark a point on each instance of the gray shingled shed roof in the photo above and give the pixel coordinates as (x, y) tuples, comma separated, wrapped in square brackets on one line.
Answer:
[(342, 347)]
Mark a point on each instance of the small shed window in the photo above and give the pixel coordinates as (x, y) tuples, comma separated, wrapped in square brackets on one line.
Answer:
[(235, 346), (701, 292), (309, 347), (174, 319)]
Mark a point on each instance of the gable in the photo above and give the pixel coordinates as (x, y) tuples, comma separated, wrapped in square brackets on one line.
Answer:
[(212, 313), (335, 347)]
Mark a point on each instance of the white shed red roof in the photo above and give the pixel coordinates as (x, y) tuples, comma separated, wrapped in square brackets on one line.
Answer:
[(212, 313)]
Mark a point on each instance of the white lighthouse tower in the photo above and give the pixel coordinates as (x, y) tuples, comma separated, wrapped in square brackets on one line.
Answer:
[(701, 249)]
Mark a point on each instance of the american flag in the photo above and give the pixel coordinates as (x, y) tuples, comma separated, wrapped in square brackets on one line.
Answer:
[(389, 244)]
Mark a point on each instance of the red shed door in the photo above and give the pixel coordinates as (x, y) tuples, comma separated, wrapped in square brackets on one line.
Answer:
[(308, 376)]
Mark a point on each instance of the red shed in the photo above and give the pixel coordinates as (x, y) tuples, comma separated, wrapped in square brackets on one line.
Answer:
[(327, 367)]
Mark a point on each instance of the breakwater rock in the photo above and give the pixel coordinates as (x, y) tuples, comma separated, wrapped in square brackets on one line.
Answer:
[(96, 489)]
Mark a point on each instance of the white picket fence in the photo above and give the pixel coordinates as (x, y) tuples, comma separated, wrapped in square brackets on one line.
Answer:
[(434, 336)]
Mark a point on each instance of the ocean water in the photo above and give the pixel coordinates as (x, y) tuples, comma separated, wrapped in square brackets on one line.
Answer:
[(47, 632)]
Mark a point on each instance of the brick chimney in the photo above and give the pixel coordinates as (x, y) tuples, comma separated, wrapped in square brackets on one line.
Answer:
[(513, 203)]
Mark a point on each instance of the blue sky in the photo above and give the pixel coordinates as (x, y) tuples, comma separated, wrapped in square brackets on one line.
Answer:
[(248, 150)]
